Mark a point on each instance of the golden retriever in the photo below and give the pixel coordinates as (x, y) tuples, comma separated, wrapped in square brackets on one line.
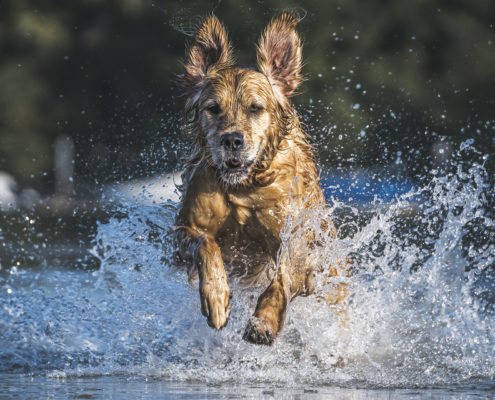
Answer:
[(251, 168)]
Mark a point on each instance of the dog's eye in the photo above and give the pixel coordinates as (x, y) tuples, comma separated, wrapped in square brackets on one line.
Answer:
[(213, 108), (255, 108)]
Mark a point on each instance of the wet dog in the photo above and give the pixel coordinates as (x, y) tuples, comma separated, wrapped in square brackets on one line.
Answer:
[(251, 168)]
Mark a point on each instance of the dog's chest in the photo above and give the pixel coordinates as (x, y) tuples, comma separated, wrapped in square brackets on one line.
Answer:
[(249, 239), (258, 211)]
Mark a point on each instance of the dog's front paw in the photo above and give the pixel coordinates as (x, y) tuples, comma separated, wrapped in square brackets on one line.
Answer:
[(259, 331), (215, 303)]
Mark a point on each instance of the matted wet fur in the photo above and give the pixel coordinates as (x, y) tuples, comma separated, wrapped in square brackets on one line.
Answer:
[(251, 167)]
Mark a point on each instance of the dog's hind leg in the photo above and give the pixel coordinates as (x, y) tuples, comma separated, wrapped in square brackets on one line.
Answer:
[(338, 296)]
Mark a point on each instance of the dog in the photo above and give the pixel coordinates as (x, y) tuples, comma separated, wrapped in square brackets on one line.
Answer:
[(251, 167)]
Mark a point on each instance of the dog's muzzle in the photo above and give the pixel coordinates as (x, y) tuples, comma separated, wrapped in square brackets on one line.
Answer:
[(235, 165)]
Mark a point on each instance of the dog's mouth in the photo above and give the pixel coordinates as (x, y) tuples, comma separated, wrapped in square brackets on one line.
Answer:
[(237, 164), (235, 170), (233, 163)]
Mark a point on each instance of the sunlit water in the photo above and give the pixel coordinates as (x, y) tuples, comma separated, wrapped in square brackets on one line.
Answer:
[(420, 312)]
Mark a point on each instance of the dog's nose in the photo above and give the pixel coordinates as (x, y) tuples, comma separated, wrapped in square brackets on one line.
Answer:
[(232, 141)]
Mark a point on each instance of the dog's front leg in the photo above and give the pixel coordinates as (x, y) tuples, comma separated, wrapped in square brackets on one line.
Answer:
[(203, 251), (213, 287), (269, 316)]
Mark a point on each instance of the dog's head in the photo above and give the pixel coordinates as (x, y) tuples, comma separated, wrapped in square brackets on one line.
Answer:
[(235, 113)]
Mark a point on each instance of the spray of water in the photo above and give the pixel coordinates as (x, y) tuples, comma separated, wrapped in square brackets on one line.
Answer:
[(418, 312)]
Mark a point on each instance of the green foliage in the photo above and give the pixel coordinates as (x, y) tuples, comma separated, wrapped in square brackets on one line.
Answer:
[(382, 77)]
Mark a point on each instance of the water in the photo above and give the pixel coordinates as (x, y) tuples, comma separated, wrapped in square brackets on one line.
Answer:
[(420, 319)]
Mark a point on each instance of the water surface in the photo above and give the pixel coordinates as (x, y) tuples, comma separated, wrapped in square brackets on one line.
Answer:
[(420, 320)]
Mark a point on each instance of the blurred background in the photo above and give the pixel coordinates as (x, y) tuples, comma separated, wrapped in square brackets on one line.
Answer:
[(88, 95)]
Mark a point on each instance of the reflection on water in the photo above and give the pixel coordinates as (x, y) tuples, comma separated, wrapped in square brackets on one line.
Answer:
[(421, 312), (132, 388)]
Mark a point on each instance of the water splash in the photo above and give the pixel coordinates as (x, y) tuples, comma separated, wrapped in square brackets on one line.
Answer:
[(419, 312)]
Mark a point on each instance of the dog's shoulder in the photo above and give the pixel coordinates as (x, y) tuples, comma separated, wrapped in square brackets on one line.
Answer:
[(203, 204), (296, 160)]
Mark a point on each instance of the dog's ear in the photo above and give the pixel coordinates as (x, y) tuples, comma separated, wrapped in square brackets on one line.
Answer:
[(280, 54), (210, 49)]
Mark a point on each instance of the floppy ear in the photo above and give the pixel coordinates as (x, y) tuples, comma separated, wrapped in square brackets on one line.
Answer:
[(210, 49), (280, 54)]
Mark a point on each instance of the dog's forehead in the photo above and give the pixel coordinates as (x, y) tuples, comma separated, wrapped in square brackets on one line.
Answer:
[(240, 79)]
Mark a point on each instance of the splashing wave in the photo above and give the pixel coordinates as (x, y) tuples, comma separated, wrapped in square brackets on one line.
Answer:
[(420, 311)]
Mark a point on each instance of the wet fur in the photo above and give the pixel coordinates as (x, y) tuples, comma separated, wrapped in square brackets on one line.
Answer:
[(231, 219)]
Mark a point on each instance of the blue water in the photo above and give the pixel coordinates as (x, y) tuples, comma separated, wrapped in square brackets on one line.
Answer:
[(420, 317), (13, 386)]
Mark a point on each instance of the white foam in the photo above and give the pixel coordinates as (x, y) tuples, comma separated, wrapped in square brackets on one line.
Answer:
[(414, 318)]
